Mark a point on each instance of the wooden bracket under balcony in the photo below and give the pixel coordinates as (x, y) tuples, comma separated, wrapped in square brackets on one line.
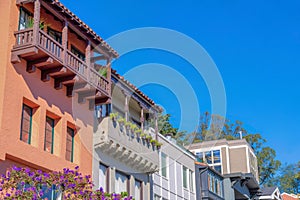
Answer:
[(32, 65)]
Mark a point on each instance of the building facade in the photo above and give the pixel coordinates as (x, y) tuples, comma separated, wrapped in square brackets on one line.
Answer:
[(123, 158), (176, 177), (227, 156), (209, 183), (49, 86)]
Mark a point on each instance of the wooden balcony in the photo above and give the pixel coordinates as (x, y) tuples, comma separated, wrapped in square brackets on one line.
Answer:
[(118, 142), (43, 52)]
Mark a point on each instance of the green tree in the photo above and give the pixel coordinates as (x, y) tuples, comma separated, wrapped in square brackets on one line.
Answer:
[(213, 127), (288, 178), (164, 125)]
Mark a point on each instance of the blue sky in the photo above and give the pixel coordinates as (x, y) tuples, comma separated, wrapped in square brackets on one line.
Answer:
[(255, 45)]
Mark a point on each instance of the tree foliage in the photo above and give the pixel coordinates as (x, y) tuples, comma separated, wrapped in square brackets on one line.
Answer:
[(214, 127), (288, 178), (26, 184), (164, 125)]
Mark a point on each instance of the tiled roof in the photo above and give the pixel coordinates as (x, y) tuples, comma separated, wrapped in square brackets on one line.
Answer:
[(286, 196), (134, 88), (89, 30)]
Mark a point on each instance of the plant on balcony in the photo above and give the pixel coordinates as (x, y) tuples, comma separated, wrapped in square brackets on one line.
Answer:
[(158, 144), (127, 125), (30, 23), (148, 138), (103, 71), (143, 135), (138, 132), (133, 127), (153, 141), (121, 121), (113, 116), (23, 183)]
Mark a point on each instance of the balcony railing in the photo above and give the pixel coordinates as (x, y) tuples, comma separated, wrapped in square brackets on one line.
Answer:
[(25, 38), (115, 139)]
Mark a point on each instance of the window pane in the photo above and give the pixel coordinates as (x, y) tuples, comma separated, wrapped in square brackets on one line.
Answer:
[(217, 157), (138, 190), (26, 124), (218, 168), (184, 176), (121, 182), (200, 157), (103, 177), (208, 157), (164, 165), (70, 144), (49, 131), (191, 181)]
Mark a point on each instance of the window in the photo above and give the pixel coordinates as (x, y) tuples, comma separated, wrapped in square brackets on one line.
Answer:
[(26, 123), (49, 135), (213, 158), (200, 157), (208, 157), (164, 165), (103, 177), (217, 158), (70, 144), (56, 35), (51, 193), (191, 181), (121, 183), (77, 53), (25, 19), (138, 190), (215, 183), (184, 177)]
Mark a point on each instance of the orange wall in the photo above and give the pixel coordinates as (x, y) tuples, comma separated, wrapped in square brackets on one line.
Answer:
[(15, 86)]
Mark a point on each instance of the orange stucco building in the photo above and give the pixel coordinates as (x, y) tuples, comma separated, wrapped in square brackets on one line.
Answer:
[(49, 86)]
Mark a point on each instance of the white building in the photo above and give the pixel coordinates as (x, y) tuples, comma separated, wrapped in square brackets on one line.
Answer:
[(176, 177), (122, 160)]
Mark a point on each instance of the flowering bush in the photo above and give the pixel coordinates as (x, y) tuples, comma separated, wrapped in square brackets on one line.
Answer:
[(25, 184)]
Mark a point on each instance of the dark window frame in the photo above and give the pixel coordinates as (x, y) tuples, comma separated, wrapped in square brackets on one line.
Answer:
[(56, 35), (29, 15), (72, 143), (52, 136), (77, 53), (30, 123)]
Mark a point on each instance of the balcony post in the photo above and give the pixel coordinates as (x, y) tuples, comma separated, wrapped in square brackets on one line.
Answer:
[(108, 75), (36, 21), (156, 125), (142, 118), (65, 42), (126, 107), (88, 59)]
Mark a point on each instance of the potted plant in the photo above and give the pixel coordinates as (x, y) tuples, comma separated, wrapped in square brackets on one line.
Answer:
[(158, 145), (148, 138), (113, 116), (127, 125), (121, 121), (143, 135), (133, 127), (153, 142), (138, 132)]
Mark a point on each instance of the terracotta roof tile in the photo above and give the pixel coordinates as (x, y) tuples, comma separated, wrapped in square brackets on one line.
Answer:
[(65, 9), (135, 89)]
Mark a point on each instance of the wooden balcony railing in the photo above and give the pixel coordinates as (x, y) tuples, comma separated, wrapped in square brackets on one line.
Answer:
[(54, 49), (76, 64), (23, 37), (50, 45)]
